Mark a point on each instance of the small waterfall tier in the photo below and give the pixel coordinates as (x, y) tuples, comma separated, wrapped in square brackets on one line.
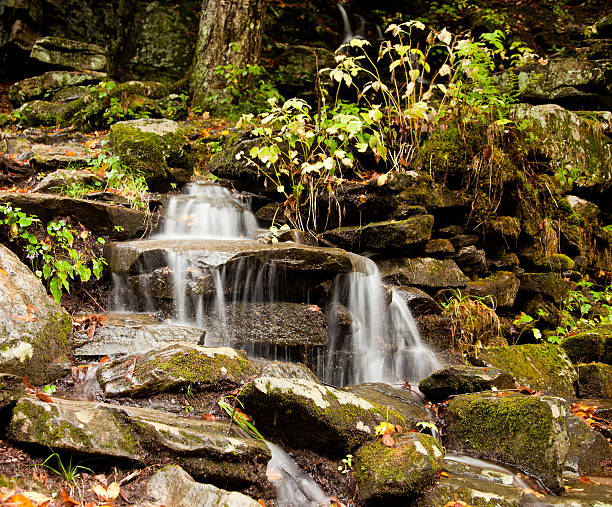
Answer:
[(322, 306)]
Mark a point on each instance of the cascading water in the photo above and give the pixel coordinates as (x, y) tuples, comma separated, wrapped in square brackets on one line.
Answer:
[(382, 345)]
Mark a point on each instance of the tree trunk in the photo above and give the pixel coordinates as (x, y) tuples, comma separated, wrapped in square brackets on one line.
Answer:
[(224, 22)]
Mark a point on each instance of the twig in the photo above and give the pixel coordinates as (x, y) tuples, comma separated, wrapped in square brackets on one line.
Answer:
[(128, 478), (94, 300)]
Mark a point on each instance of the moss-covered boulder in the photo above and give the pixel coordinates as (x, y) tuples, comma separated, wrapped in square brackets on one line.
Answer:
[(175, 367), (439, 247), (542, 367), (595, 380), (35, 334), (70, 54), (550, 285), (586, 346), (503, 228), (407, 403), (528, 432), (50, 82), (337, 421), (423, 272), (453, 380), (56, 181), (398, 473), (203, 448), (589, 451), (157, 149), (501, 287), (173, 487), (389, 235)]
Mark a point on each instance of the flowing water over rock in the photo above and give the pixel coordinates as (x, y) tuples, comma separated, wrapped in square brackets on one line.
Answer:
[(205, 269)]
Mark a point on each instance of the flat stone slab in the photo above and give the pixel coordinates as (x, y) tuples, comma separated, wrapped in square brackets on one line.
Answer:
[(423, 272), (147, 436), (211, 253), (70, 54), (122, 334)]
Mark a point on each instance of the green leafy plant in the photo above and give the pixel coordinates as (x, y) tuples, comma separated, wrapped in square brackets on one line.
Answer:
[(54, 259), (238, 416), (49, 389), (68, 471), (347, 464)]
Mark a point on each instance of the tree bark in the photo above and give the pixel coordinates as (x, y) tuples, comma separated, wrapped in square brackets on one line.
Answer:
[(223, 22)]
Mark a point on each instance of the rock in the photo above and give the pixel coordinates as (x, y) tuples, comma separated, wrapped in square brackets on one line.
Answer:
[(419, 302), (62, 178), (423, 272), (397, 474), (471, 260), (231, 163), (120, 331), (438, 331), (35, 337), (552, 317), (157, 149), (271, 214), (565, 81), (11, 389), (454, 380), (100, 218), (571, 141), (277, 324), (501, 286), (595, 380), (550, 285), (542, 367), (161, 44), (528, 432), (337, 421), (147, 436), (174, 367), (556, 262), (173, 487), (342, 323), (70, 54), (584, 347), (231, 255), (390, 235), (461, 241), (505, 262), (439, 247), (49, 83), (506, 229), (407, 403), (603, 26), (589, 451), (282, 369)]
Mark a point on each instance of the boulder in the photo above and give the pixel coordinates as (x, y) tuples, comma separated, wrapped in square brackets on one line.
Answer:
[(589, 452), (595, 380), (502, 287), (439, 331), (282, 369), (471, 260), (566, 81), (528, 432), (542, 367), (439, 247), (11, 389), (586, 346), (397, 474), (173, 487), (503, 228), (419, 302), (231, 163), (35, 337), (550, 285), (505, 262), (38, 87), (70, 54), (55, 182), (175, 367), (389, 235), (405, 402), (454, 380), (338, 421), (157, 149), (202, 448), (423, 272), (99, 217), (119, 333)]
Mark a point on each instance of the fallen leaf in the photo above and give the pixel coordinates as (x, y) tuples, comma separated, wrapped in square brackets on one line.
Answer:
[(90, 143), (262, 503), (533, 492), (3, 271), (314, 308), (19, 500), (70, 153), (25, 318), (388, 440), (209, 417), (444, 474), (67, 499), (362, 198), (106, 494), (44, 397), (104, 360), (101, 478), (32, 309)]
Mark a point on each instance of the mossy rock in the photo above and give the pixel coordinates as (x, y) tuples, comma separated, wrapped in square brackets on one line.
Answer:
[(528, 432), (556, 262), (595, 380), (589, 452), (157, 149), (542, 367), (503, 227), (174, 368), (11, 389), (551, 285), (423, 272), (388, 235), (338, 421), (397, 473), (501, 287), (454, 380), (584, 347)]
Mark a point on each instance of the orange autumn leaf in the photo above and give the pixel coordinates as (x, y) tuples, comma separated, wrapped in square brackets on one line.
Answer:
[(209, 417), (25, 318), (67, 499), (90, 143), (444, 474), (19, 500), (32, 309), (44, 397), (3, 271), (103, 360), (70, 153), (388, 440)]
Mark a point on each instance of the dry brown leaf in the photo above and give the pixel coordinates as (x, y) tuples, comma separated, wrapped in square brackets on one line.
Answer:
[(44, 397), (67, 499), (388, 440)]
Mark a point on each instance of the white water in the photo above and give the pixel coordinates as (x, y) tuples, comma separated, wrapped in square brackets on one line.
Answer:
[(294, 487), (208, 211)]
